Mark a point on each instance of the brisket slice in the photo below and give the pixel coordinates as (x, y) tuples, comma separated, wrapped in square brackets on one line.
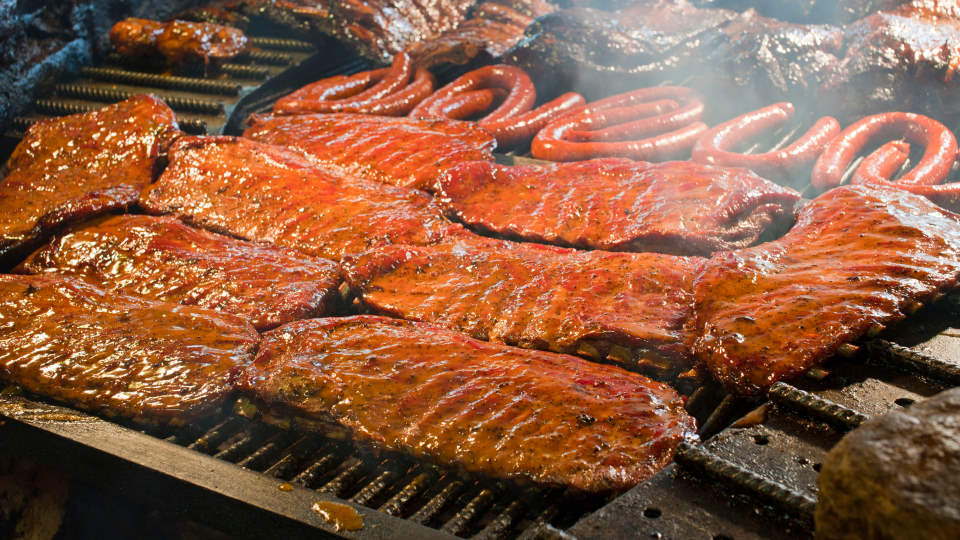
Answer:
[(123, 356), (177, 41), (396, 151), (162, 259), (859, 257), (629, 308), (487, 408), (267, 193), (617, 204), (67, 169)]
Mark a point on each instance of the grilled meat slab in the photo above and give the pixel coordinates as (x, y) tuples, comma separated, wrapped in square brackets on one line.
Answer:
[(123, 356), (267, 193), (376, 29), (396, 151), (858, 258), (160, 258), (627, 308), (492, 29), (176, 41), (617, 204), (67, 169), (488, 408)]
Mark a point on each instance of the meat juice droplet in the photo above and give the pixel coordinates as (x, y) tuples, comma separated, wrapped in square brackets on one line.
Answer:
[(285, 487), (341, 516)]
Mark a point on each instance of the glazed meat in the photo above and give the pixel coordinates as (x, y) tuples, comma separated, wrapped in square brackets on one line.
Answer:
[(270, 194), (618, 204), (376, 29), (599, 53), (176, 41), (903, 466), (488, 408), (902, 60), (396, 151), (123, 356), (626, 308), (67, 169), (858, 258), (490, 32), (162, 259)]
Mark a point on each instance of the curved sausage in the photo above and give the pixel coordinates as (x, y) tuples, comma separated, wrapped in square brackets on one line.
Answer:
[(511, 119), (403, 101), (519, 130), (880, 166), (940, 148), (647, 124), (378, 91), (715, 146)]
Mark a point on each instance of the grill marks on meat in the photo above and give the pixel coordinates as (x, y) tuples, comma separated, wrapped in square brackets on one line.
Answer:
[(122, 356), (267, 193), (488, 408), (161, 259), (396, 151), (615, 204), (70, 168), (626, 308), (177, 41), (858, 258)]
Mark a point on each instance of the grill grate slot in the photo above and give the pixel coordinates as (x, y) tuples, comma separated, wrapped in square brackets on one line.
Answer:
[(377, 486), (270, 58), (815, 406), (342, 481), (242, 71), (504, 520), (325, 461), (293, 457), (436, 503)]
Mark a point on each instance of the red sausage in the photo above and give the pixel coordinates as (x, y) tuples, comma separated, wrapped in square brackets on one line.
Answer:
[(517, 131), (377, 91), (662, 121), (714, 146), (512, 121), (880, 166), (666, 146), (403, 101), (395, 78), (940, 148), (468, 105)]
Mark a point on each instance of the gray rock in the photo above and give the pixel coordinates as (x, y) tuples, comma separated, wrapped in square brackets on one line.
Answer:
[(896, 476)]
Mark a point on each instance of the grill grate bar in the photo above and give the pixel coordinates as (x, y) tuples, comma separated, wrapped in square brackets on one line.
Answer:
[(320, 466), (815, 406), (265, 451), (459, 522), (699, 458), (248, 439), (394, 506), (437, 502), (93, 93), (209, 441), (340, 482), (270, 58), (375, 487), (242, 71), (60, 108), (294, 454), (192, 84), (912, 361), (282, 44), (498, 527)]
